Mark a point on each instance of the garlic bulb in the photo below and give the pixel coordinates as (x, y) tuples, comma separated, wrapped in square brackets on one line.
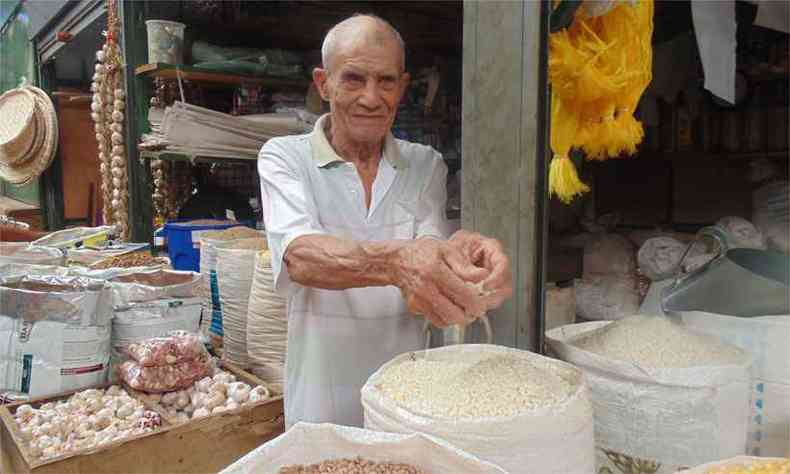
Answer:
[(117, 116), (259, 393), (116, 138), (201, 413), (239, 392)]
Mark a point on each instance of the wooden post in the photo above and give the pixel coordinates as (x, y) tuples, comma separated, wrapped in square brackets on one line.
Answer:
[(504, 142), (51, 180), (134, 46)]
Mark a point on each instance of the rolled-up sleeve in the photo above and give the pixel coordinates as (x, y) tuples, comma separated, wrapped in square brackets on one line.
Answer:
[(432, 217), (288, 207)]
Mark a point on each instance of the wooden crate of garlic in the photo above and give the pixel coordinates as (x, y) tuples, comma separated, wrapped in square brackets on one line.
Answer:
[(202, 428)]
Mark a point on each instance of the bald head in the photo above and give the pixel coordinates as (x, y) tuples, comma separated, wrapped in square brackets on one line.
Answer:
[(357, 31)]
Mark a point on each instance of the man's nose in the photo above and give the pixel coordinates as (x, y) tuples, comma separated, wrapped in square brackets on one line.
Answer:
[(371, 96)]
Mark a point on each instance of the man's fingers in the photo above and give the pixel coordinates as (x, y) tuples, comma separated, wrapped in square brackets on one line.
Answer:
[(463, 294), (463, 267), (445, 310)]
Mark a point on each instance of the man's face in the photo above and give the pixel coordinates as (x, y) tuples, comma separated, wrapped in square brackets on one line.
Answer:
[(364, 85)]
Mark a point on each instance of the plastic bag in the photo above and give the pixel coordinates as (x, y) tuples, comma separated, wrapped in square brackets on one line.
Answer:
[(550, 440), (176, 348), (135, 287), (164, 378), (308, 443), (663, 418), (24, 253)]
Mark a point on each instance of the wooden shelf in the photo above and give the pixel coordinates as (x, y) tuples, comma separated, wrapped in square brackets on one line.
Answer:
[(193, 158), (189, 73)]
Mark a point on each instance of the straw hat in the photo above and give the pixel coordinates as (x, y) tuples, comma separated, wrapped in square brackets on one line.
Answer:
[(22, 168), (17, 125)]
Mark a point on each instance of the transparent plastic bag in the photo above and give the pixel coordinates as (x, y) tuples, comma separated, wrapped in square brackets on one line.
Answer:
[(177, 347), (164, 378)]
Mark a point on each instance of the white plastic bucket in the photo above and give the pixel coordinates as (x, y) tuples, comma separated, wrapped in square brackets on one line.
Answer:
[(165, 41)]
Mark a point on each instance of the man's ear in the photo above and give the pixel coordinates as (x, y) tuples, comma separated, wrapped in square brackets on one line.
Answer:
[(321, 79)]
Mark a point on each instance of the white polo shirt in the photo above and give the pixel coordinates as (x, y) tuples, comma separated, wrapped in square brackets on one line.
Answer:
[(337, 339)]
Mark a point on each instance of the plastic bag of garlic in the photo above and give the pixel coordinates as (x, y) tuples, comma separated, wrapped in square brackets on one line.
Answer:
[(308, 443), (664, 398), (520, 411)]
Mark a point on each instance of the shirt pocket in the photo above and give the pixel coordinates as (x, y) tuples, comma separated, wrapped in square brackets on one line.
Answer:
[(403, 221)]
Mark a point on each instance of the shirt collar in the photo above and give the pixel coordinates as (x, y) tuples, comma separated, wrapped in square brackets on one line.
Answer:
[(324, 154)]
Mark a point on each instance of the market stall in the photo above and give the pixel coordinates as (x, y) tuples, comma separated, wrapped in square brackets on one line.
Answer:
[(169, 356)]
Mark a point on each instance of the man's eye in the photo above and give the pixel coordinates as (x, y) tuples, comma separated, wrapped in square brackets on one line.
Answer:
[(354, 78)]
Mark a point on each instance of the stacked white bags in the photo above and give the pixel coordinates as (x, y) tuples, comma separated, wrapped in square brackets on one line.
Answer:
[(608, 289), (546, 438), (267, 325), (666, 414), (211, 324), (235, 269)]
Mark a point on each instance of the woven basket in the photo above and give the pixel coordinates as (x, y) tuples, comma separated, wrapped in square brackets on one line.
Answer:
[(17, 125)]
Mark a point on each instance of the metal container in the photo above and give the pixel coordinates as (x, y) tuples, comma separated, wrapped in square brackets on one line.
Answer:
[(737, 282)]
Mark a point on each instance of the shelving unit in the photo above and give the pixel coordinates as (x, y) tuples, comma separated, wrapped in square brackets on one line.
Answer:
[(189, 73), (193, 158)]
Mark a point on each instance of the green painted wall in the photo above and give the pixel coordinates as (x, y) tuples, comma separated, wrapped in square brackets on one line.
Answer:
[(16, 61)]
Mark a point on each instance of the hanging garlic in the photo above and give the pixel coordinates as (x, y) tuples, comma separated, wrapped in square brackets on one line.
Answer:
[(117, 116)]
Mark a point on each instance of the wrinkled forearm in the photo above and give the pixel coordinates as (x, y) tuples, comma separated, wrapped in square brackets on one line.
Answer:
[(332, 263)]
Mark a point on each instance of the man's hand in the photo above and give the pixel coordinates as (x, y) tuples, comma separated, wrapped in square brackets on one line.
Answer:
[(438, 281), (488, 254)]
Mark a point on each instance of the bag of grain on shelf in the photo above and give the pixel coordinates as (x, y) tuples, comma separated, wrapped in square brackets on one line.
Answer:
[(55, 333), (766, 339), (267, 325), (212, 309), (310, 444), (609, 254), (771, 214), (520, 411), (663, 397), (24, 253), (606, 297), (235, 268)]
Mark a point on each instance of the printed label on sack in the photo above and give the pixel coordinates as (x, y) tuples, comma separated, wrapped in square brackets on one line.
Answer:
[(27, 372)]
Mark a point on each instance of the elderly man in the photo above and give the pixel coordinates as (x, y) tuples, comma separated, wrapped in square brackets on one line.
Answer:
[(356, 225)]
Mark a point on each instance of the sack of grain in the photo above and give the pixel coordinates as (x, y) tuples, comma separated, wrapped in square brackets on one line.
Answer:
[(771, 214), (741, 233), (267, 325), (18, 270), (235, 268), (609, 254), (743, 465), (55, 333), (606, 297), (560, 305), (520, 411), (663, 397), (308, 443), (212, 309), (766, 339), (24, 253), (139, 287)]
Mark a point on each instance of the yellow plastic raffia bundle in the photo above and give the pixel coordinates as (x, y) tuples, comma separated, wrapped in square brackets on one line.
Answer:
[(598, 68)]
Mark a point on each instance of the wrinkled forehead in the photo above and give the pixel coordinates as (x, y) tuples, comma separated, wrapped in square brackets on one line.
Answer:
[(364, 57), (373, 46)]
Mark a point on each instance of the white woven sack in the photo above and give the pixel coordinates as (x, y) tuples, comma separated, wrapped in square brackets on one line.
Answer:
[(606, 297), (738, 460), (548, 440), (267, 325), (308, 443), (608, 254), (766, 339), (665, 418), (771, 214), (208, 267), (235, 268)]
